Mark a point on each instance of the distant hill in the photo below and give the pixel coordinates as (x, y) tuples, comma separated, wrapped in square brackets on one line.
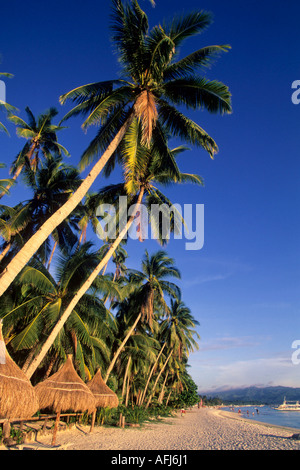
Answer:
[(256, 395)]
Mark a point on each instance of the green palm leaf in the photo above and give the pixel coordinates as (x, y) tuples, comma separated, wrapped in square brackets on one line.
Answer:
[(203, 58), (183, 27), (37, 279)]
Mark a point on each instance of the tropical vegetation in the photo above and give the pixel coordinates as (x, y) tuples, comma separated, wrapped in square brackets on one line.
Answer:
[(58, 295)]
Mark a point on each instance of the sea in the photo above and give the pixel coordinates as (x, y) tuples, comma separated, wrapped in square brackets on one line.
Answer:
[(267, 414)]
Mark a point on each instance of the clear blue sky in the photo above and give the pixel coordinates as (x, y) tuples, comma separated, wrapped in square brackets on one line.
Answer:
[(243, 286)]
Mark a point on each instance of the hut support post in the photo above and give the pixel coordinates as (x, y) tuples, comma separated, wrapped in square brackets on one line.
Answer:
[(55, 428), (93, 421), (6, 429)]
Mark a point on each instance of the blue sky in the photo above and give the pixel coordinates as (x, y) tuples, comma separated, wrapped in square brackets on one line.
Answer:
[(243, 285)]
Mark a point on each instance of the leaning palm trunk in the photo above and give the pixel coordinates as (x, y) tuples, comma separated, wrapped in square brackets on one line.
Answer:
[(125, 377), (157, 379), (45, 348), (162, 393), (151, 373), (29, 249), (5, 251), (169, 396), (120, 348)]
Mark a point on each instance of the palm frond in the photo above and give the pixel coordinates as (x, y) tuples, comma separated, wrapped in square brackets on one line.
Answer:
[(185, 26), (30, 335), (120, 97), (181, 126), (3, 128), (37, 279), (202, 58), (199, 93), (129, 25), (105, 135)]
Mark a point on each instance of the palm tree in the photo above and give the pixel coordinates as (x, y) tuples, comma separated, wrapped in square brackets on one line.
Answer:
[(88, 216), (178, 328), (153, 167), (119, 258), (178, 333), (154, 82), (41, 139), (51, 186), (136, 355), (152, 283)]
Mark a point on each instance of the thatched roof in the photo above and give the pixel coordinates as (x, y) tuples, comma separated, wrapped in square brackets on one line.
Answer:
[(17, 395), (64, 391), (105, 397)]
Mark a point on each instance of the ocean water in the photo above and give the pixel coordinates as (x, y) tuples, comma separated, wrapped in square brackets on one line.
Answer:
[(267, 414)]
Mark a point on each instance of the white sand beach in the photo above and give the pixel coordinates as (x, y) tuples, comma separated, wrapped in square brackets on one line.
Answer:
[(198, 429)]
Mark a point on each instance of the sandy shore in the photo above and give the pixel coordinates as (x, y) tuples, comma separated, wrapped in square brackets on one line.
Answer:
[(204, 429)]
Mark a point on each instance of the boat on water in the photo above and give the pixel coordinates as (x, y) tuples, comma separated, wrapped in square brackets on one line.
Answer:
[(289, 406)]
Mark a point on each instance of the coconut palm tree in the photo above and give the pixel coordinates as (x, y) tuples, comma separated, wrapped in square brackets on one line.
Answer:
[(152, 284), (51, 186), (136, 356), (154, 82), (41, 138), (178, 333), (178, 328)]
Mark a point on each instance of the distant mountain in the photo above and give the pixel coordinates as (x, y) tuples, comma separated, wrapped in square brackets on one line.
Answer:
[(256, 395)]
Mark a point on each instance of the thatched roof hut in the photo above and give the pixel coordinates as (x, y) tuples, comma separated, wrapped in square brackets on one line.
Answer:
[(64, 391), (105, 397), (17, 395)]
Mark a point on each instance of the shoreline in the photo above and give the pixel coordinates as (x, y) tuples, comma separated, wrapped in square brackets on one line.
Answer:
[(198, 429), (232, 415)]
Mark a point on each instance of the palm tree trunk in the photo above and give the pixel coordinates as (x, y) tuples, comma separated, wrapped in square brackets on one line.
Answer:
[(169, 396), (121, 347), (52, 254), (127, 392), (162, 392), (137, 400), (51, 365), (151, 373), (157, 379), (28, 360), (125, 377), (5, 251), (29, 249), (45, 348)]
